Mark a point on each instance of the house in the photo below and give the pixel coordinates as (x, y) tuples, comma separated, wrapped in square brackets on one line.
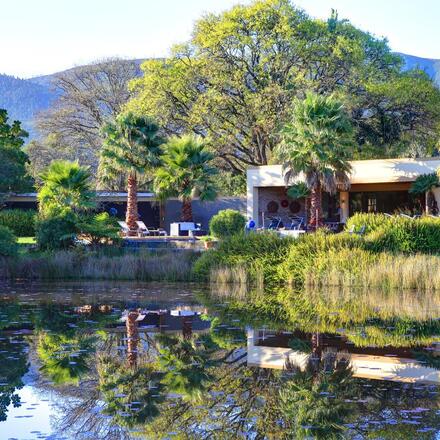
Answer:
[(380, 185), (151, 211)]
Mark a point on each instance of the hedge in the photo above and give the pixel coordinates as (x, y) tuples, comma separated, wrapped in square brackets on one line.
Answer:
[(20, 222)]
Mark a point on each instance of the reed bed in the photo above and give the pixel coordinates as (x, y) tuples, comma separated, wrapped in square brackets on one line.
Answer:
[(143, 266), (386, 271)]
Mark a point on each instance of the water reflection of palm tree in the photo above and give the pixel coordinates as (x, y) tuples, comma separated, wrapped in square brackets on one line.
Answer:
[(313, 402), (130, 387), (185, 362), (132, 337)]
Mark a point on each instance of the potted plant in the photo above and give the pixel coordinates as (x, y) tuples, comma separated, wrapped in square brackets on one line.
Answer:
[(208, 241)]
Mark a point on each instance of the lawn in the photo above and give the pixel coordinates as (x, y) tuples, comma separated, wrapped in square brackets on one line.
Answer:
[(26, 240)]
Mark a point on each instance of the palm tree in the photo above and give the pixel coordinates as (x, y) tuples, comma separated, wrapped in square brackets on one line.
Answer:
[(66, 188), (315, 146), (423, 186), (186, 172), (132, 145)]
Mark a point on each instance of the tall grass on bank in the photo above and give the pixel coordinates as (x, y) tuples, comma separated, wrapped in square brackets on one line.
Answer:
[(253, 259), (143, 266), (384, 271)]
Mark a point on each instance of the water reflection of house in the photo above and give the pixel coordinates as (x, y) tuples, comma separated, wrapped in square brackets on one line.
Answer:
[(271, 350), (376, 186)]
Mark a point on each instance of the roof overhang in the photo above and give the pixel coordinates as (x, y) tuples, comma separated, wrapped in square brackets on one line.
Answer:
[(363, 172)]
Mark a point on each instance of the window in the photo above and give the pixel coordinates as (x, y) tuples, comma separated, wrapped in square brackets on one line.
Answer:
[(372, 203)]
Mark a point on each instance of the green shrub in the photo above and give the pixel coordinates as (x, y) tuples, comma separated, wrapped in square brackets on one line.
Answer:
[(20, 222), (226, 223), (407, 235), (310, 250), (260, 255), (55, 233), (8, 242), (372, 222), (98, 228)]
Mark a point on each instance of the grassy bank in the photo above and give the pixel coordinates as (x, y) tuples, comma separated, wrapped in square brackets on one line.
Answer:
[(116, 264), (395, 253)]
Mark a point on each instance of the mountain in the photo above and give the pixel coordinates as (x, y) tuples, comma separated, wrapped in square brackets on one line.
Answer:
[(24, 98), (429, 65)]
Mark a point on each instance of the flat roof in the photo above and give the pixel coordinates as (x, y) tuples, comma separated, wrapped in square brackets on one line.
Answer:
[(363, 171)]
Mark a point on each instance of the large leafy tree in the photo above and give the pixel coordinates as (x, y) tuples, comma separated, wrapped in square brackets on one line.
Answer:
[(233, 83), (87, 97), (13, 160), (315, 146), (187, 171), (66, 189), (132, 146)]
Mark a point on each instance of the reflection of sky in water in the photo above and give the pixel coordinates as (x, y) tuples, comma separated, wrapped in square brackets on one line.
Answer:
[(32, 420)]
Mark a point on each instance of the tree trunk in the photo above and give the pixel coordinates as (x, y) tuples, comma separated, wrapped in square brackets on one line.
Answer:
[(131, 215), (316, 207), (307, 210), (187, 215), (132, 337)]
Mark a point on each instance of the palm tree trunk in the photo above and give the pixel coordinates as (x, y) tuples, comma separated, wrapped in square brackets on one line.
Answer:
[(131, 215), (306, 210), (316, 206), (187, 210), (132, 337)]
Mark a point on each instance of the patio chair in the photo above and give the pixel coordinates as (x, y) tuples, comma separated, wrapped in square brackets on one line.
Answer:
[(296, 223), (143, 230), (406, 216), (275, 223), (361, 231), (125, 230)]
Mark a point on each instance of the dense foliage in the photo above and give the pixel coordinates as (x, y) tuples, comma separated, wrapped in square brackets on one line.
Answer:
[(132, 147), (226, 223), (21, 222), (394, 253), (260, 255), (316, 144), (66, 189), (8, 242), (235, 79), (13, 160), (407, 235), (186, 172), (56, 232)]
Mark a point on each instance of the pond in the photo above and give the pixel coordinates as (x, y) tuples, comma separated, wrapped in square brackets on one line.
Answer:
[(126, 360)]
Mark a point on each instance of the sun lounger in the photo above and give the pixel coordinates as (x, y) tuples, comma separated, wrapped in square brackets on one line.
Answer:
[(125, 230), (143, 230)]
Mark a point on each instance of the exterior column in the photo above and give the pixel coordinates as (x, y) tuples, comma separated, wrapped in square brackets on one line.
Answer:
[(252, 204), (344, 198)]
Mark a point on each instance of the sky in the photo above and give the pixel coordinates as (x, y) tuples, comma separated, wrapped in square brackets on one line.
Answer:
[(45, 36)]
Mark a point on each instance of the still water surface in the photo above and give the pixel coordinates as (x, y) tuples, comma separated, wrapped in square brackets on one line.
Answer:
[(159, 361)]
